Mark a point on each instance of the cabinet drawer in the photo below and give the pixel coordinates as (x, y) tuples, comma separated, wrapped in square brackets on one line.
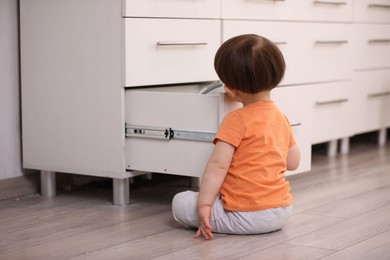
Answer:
[(181, 109), (314, 52), (165, 51), (372, 43), (299, 115), (302, 10), (376, 11), (333, 112), (150, 111), (171, 8), (373, 96)]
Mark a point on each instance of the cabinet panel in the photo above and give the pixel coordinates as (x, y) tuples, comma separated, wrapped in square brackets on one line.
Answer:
[(302, 10), (372, 11), (333, 114), (170, 51), (373, 97), (171, 8), (314, 52), (293, 102), (372, 43)]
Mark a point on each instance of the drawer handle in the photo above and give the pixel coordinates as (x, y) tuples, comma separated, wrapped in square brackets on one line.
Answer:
[(330, 3), (380, 94), (378, 6), (373, 41), (295, 124), (336, 101), (331, 42), (280, 43), (180, 43), (210, 87)]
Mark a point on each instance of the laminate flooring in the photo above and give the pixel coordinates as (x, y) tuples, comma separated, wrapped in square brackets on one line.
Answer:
[(341, 211)]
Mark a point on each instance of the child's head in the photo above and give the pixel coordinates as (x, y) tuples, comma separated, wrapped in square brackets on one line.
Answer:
[(249, 63)]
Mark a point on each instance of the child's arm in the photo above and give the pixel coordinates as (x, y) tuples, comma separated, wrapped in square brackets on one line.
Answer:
[(212, 180), (293, 158)]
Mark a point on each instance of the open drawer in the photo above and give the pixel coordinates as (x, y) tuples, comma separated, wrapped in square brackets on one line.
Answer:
[(170, 129)]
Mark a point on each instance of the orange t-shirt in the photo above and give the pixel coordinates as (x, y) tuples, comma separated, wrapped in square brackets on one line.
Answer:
[(255, 179)]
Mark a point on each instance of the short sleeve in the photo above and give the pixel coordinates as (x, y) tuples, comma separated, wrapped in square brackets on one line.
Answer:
[(231, 129)]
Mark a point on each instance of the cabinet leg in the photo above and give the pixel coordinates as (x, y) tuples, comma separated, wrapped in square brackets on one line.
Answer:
[(332, 148), (344, 149), (121, 190), (48, 184), (382, 137)]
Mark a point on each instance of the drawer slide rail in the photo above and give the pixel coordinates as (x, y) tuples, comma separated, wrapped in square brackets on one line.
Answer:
[(166, 133)]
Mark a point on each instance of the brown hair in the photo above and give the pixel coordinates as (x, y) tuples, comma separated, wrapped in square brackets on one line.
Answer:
[(249, 63)]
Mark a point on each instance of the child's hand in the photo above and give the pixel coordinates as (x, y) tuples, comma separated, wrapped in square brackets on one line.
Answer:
[(204, 223)]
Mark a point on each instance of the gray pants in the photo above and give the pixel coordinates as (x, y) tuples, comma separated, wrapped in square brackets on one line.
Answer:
[(229, 222)]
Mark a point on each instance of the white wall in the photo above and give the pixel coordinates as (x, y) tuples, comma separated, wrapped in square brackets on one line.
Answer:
[(10, 140)]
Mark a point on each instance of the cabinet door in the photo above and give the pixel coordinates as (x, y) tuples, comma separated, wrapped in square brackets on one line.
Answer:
[(171, 8), (314, 52), (373, 97), (170, 51), (372, 45), (295, 103), (333, 111), (302, 10), (372, 11)]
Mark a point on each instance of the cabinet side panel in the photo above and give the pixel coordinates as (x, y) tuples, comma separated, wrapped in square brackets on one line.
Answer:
[(72, 109)]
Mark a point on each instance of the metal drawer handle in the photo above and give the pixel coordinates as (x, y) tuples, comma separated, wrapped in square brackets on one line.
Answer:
[(295, 124), (336, 101), (330, 3), (179, 43), (379, 41), (269, 0), (378, 6), (332, 42), (280, 43), (380, 94)]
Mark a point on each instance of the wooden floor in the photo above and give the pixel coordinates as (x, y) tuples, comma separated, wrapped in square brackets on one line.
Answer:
[(342, 211)]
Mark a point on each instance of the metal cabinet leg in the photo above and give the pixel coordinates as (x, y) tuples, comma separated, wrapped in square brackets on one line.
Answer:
[(344, 149), (121, 191), (48, 184), (332, 148), (382, 137)]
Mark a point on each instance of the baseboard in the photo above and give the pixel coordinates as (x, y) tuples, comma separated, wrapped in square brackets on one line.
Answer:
[(19, 186)]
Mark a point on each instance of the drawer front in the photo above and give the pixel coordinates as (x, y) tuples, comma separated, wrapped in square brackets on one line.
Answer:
[(372, 43), (373, 97), (171, 8), (170, 51), (377, 11), (293, 102), (302, 10), (333, 112), (178, 109), (314, 52)]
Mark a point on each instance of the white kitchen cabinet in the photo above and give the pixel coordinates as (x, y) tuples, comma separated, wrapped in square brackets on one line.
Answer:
[(105, 82), (302, 10), (372, 11), (172, 51), (293, 102), (172, 8), (314, 52), (332, 109), (373, 97)]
